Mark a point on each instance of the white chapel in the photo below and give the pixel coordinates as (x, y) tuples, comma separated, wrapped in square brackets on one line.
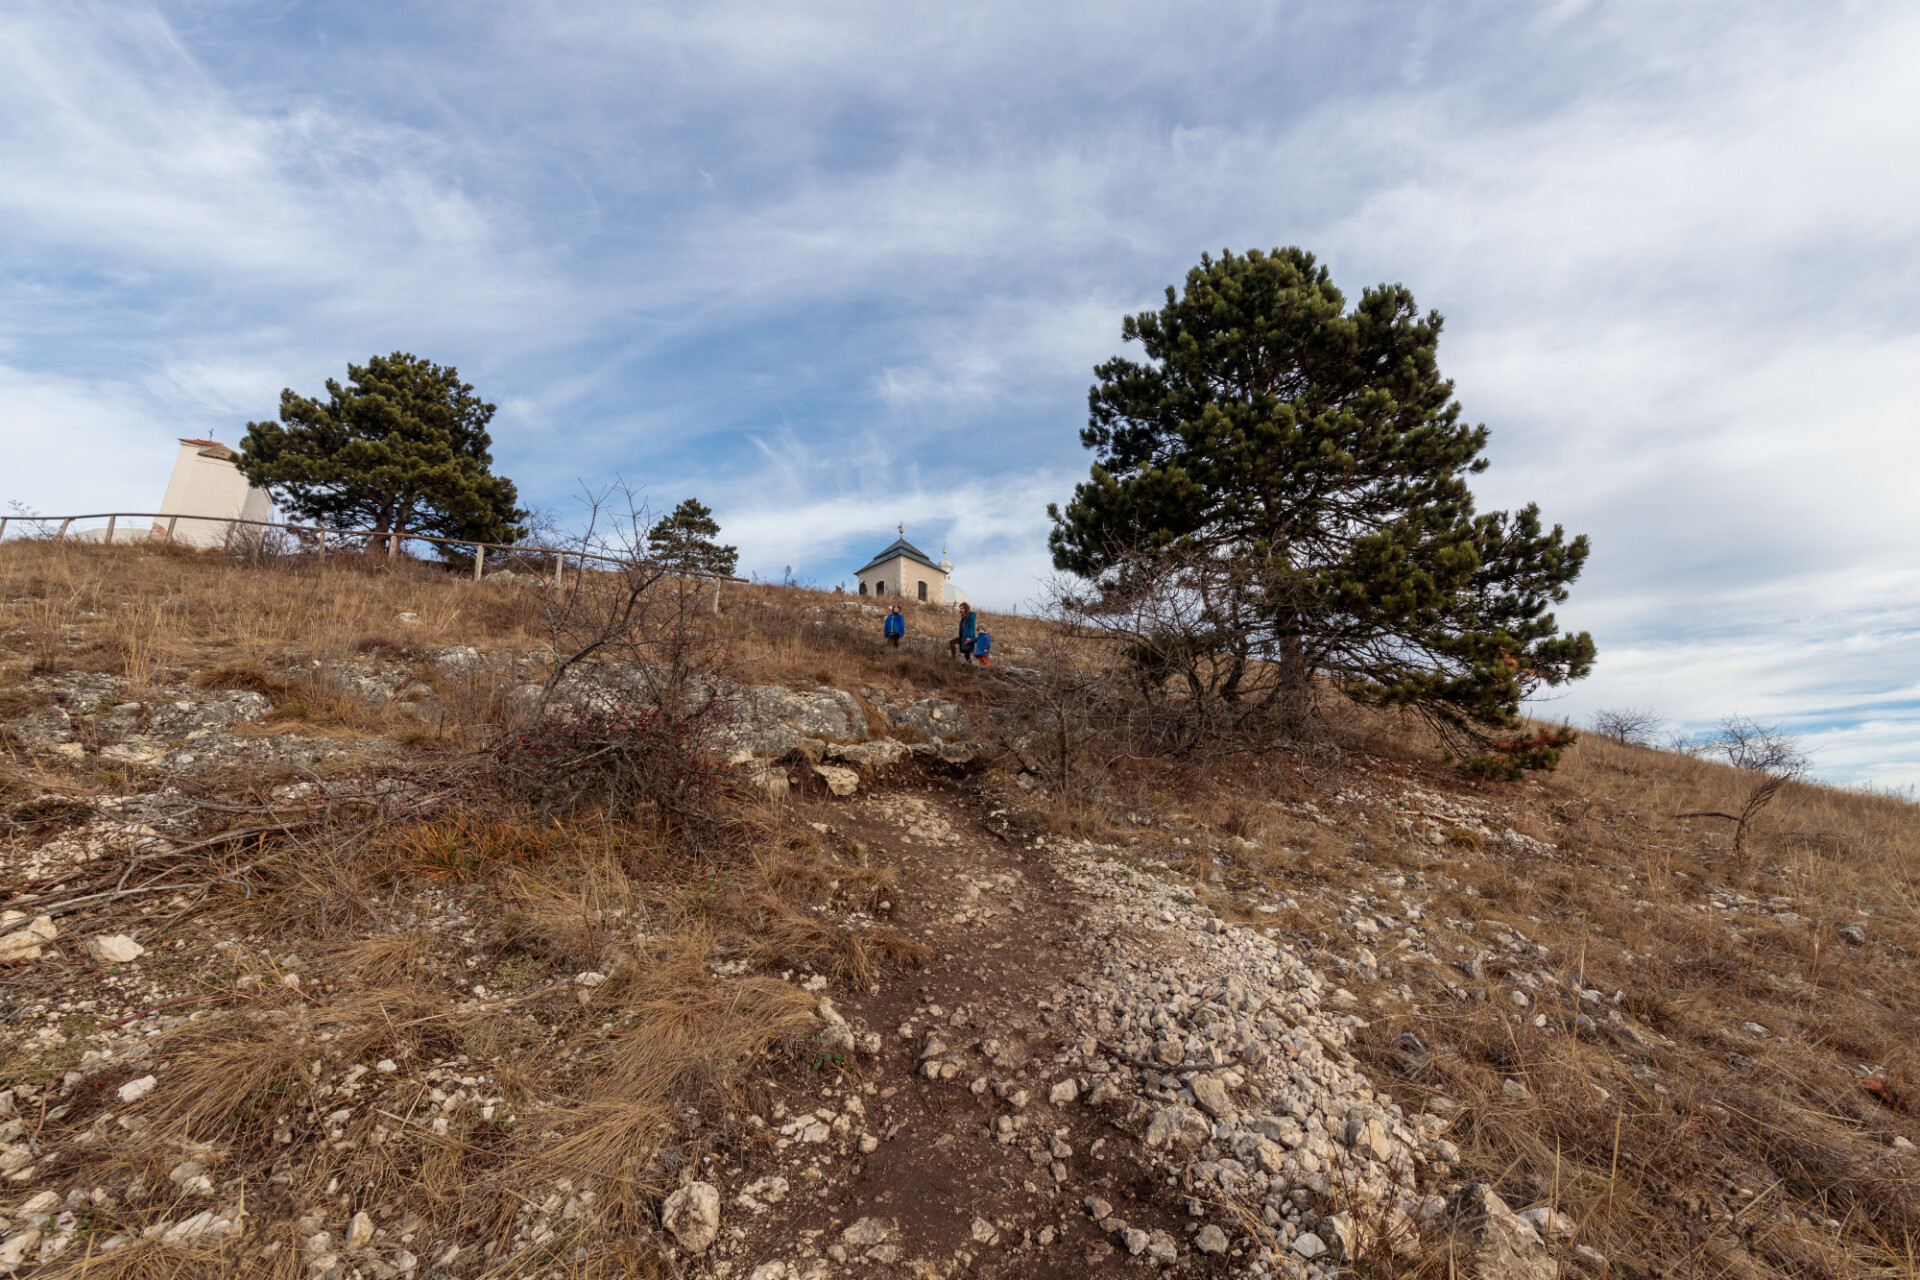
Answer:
[(903, 571)]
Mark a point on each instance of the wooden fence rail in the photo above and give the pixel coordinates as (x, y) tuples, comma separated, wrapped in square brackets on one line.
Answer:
[(319, 534)]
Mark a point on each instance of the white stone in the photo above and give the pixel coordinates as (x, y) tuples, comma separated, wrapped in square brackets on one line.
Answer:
[(841, 782), (114, 948), (134, 1090), (14, 1251), (1063, 1092), (25, 941), (1308, 1245), (692, 1214), (359, 1231)]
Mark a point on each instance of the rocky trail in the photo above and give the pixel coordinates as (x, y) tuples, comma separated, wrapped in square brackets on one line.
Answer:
[(1092, 1073)]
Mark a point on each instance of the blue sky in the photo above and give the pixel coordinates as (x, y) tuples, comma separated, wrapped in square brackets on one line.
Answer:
[(835, 266)]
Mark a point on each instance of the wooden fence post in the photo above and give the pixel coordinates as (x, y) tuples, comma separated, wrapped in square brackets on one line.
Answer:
[(3, 526), (111, 521), (62, 535), (559, 567), (479, 561), (171, 521)]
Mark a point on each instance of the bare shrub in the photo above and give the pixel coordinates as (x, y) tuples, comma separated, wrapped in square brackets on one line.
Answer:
[(1628, 726), (1056, 714), (628, 761), (1767, 758), (634, 716), (1177, 637)]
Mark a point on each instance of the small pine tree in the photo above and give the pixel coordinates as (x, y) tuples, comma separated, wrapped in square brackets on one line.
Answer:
[(685, 542)]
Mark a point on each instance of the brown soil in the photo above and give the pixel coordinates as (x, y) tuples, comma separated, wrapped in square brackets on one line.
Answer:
[(940, 1168)]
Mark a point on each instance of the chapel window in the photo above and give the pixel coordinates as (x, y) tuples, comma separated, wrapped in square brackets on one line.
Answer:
[(879, 588), (923, 591)]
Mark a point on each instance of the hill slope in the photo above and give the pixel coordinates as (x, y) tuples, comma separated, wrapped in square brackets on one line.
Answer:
[(311, 976)]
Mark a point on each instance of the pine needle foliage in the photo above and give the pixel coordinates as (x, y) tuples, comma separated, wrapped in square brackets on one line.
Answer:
[(686, 541), (403, 447), (1306, 466)]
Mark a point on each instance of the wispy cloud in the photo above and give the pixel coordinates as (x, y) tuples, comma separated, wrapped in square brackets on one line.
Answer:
[(837, 266)]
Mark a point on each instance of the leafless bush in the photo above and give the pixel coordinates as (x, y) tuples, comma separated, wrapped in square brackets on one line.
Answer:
[(1766, 755), (1054, 712), (1179, 635), (1628, 726), (636, 711)]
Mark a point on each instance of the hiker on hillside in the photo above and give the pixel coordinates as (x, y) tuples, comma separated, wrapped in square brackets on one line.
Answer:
[(896, 626), (961, 646), (982, 646)]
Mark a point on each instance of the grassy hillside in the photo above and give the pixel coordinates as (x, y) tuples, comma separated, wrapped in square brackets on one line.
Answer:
[(331, 980)]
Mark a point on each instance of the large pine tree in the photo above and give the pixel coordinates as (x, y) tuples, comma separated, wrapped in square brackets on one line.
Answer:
[(1313, 455), (403, 447)]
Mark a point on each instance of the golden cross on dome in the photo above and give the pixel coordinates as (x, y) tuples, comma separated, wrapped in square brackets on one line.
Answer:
[(902, 528)]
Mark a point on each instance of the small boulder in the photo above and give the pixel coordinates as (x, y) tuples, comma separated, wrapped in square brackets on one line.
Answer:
[(23, 942), (692, 1215), (114, 948), (1212, 1095), (1502, 1244), (840, 781), (1177, 1126), (1210, 1239)]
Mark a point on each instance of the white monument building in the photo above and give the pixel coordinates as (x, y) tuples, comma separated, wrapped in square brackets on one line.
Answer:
[(905, 572), (206, 483)]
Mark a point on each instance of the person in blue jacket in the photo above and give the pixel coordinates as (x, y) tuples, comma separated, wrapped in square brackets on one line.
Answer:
[(982, 645), (961, 646), (896, 626)]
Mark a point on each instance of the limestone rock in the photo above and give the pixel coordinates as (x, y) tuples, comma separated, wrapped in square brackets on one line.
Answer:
[(1177, 1126), (1550, 1223), (114, 948), (23, 941), (841, 782), (360, 1230), (692, 1215), (876, 754), (1210, 1239), (1368, 1138), (936, 718), (1502, 1244), (1212, 1095)]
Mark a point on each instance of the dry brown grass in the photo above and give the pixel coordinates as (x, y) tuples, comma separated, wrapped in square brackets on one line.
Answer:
[(1709, 1151), (611, 1091)]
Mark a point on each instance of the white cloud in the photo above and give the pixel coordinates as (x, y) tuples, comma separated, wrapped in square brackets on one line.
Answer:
[(834, 266)]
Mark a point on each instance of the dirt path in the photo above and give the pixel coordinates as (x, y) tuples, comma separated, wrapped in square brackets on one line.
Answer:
[(973, 1162)]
